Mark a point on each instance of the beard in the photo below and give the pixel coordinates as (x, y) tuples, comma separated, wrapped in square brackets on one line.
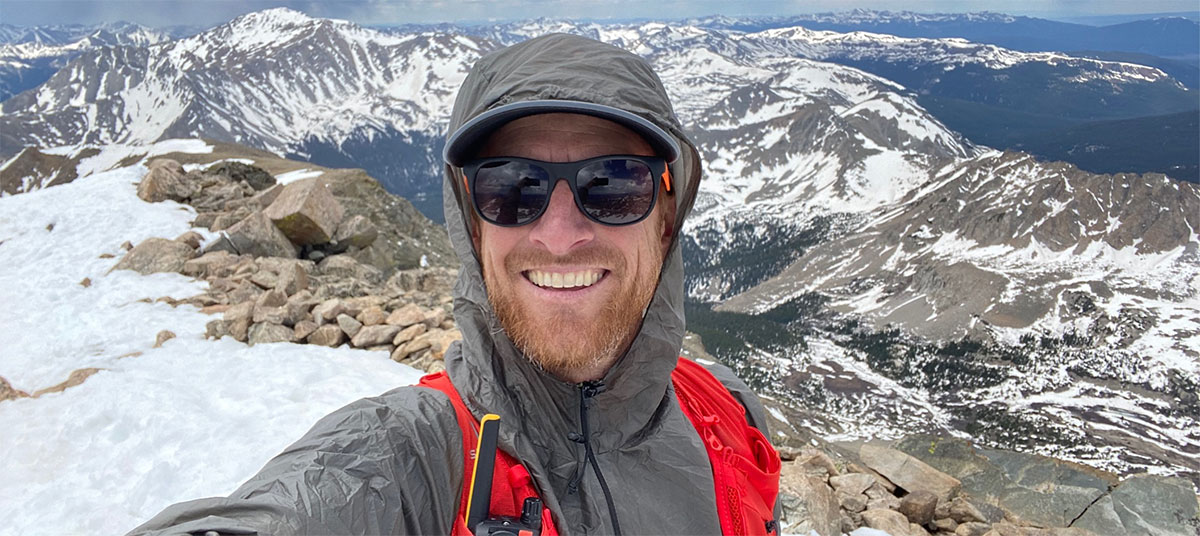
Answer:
[(560, 340)]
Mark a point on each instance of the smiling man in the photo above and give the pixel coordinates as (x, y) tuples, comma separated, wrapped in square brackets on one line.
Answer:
[(568, 178)]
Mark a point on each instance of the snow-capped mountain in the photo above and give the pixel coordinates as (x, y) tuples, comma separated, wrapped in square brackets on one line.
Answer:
[(829, 190)]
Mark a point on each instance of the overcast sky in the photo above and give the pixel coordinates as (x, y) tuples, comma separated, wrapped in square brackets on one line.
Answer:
[(207, 13)]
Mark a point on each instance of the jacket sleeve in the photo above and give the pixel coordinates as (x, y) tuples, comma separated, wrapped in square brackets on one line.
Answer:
[(385, 465)]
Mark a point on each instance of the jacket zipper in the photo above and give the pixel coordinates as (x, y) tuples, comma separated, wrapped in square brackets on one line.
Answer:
[(587, 391)]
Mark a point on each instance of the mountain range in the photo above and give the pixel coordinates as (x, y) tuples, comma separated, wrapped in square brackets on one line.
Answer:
[(865, 256)]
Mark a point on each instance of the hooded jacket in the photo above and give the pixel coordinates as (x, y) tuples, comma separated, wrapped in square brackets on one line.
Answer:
[(392, 464)]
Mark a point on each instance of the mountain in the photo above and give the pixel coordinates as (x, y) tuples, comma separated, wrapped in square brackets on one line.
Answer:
[(30, 56), (1166, 144), (875, 270)]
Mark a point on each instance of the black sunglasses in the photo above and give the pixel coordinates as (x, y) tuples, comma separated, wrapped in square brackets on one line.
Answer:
[(612, 190)]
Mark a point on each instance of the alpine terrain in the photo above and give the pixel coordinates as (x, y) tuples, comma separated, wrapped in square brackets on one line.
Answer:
[(871, 268)]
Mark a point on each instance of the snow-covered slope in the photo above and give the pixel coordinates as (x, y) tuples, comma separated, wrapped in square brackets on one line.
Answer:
[(153, 426)]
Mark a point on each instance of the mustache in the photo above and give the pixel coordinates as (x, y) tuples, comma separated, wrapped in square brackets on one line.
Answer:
[(590, 255)]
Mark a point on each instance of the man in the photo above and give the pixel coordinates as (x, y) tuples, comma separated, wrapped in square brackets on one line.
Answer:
[(567, 181)]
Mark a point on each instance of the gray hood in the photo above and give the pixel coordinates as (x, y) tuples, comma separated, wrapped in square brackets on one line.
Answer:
[(487, 368)]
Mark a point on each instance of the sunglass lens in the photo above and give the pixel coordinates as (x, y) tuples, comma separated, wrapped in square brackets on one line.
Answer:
[(616, 191), (509, 192)]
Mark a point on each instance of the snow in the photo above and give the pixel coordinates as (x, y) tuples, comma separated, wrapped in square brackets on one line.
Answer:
[(297, 175), (154, 426)]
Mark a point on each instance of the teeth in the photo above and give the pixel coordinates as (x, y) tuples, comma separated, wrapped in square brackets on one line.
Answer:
[(582, 279)]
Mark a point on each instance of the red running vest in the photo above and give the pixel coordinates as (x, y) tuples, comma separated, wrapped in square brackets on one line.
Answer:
[(745, 465)]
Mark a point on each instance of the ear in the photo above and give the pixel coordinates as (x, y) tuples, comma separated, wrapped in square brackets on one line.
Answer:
[(667, 204)]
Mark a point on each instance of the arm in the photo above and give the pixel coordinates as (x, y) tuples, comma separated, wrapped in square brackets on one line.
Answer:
[(388, 464)]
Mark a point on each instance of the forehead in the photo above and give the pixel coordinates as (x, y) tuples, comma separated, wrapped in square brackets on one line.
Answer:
[(563, 137)]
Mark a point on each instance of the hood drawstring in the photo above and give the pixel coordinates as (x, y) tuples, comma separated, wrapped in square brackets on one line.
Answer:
[(587, 391)]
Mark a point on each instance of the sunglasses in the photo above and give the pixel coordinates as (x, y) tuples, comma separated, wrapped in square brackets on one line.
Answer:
[(611, 190)]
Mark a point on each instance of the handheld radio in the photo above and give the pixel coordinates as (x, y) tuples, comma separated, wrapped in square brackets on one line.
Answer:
[(478, 519)]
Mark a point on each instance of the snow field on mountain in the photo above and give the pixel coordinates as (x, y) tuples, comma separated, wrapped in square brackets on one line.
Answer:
[(154, 426)]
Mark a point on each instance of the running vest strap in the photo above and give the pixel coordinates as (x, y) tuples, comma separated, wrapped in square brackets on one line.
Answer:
[(745, 465)]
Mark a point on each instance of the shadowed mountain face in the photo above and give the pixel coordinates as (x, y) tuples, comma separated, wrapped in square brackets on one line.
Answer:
[(870, 264)]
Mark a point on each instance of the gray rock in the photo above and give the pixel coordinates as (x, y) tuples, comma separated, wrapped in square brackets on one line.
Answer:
[(965, 510), (409, 333), (972, 528), (853, 483), (303, 329), (808, 502), (292, 279), (1145, 504), (215, 329), (345, 266), (852, 503), (266, 332), (328, 311), (256, 177), (162, 337), (348, 324), (156, 255), (306, 212), (372, 316), (406, 316), (257, 236), (191, 238), (375, 335), (238, 319), (221, 243), (908, 472)]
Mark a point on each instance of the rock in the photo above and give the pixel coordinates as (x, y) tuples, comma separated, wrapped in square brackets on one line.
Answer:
[(356, 231), (1145, 504), (345, 266), (406, 316), (434, 318), (238, 319), (817, 462), (885, 502), (408, 334), (373, 335), (264, 279), (209, 264), (306, 212), (85, 282), (266, 332), (918, 507), (964, 510), (328, 310), (215, 329), (327, 335), (126, 245), (303, 329), (191, 238), (808, 502), (852, 503), (8, 392), (410, 348), (348, 324), (264, 198), (257, 236), (892, 522), (205, 220), (945, 524), (298, 307), (225, 220), (165, 180), (853, 483), (156, 255), (221, 243), (244, 291), (271, 298), (374, 315), (292, 279), (908, 472), (439, 341), (256, 177), (163, 336), (972, 528)]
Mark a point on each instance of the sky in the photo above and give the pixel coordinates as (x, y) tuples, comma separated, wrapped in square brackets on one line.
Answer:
[(205, 13)]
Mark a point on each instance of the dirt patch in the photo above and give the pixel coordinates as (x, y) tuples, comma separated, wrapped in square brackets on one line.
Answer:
[(77, 377), (8, 392)]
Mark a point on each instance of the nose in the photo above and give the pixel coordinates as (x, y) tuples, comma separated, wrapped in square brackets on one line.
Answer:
[(562, 227)]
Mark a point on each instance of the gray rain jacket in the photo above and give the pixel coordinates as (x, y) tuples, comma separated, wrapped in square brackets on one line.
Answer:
[(392, 464)]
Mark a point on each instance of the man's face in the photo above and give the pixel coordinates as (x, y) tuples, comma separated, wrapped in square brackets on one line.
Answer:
[(575, 333)]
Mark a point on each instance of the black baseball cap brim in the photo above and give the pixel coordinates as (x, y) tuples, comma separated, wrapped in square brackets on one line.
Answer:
[(462, 144)]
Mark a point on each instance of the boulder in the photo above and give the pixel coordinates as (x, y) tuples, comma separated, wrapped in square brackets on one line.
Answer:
[(162, 337), (303, 329), (349, 325), (156, 255), (1145, 504), (191, 238), (292, 279), (375, 335), (372, 316), (165, 180), (306, 212), (215, 329), (257, 236), (238, 318), (972, 528), (853, 483), (256, 177), (908, 472), (406, 316), (213, 263), (808, 503), (892, 522), (345, 266), (356, 231), (852, 503), (328, 311), (267, 332), (327, 335), (965, 510), (918, 507), (409, 333)]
